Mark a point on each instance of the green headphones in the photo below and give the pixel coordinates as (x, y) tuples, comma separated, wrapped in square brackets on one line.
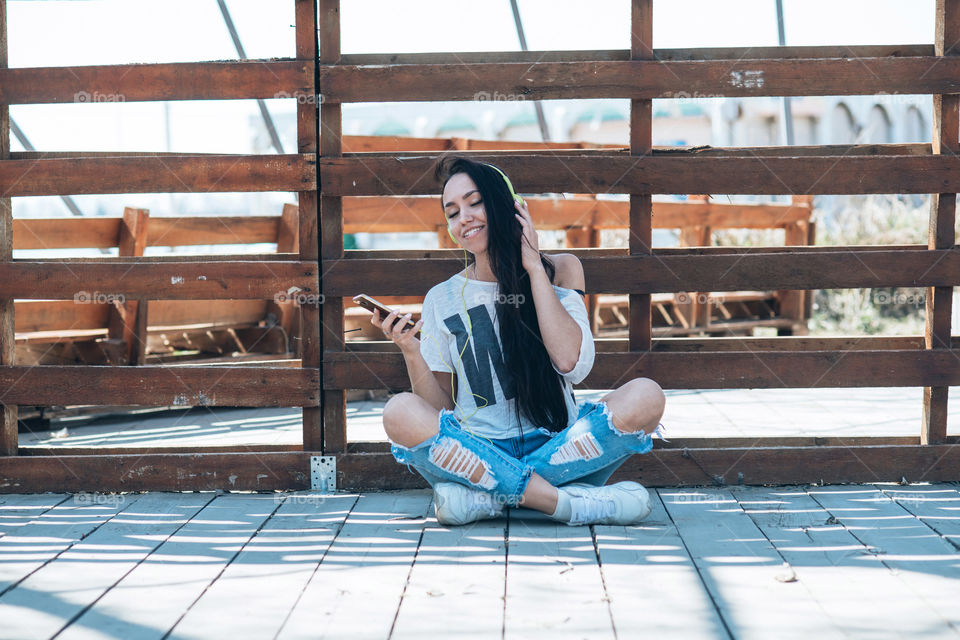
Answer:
[(509, 186)]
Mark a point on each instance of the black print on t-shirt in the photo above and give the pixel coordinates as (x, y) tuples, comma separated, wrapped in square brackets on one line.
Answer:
[(484, 351)]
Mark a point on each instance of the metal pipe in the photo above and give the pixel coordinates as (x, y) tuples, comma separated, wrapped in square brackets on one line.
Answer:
[(541, 120), (787, 110), (264, 113)]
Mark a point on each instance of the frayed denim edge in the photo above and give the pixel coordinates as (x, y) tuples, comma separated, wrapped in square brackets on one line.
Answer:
[(646, 441)]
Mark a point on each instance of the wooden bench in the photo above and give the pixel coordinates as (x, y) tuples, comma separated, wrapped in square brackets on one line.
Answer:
[(99, 327)]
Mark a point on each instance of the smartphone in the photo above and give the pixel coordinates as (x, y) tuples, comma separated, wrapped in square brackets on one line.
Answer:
[(372, 305)]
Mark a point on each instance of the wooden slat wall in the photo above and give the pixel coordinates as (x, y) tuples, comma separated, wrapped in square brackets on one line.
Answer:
[(323, 175), (8, 412), (188, 278), (642, 171), (943, 216)]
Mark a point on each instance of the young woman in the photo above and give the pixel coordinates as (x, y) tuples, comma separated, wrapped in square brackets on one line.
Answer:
[(492, 419)]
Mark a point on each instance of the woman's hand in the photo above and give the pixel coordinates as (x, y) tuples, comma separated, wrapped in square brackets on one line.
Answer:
[(529, 243), (392, 330)]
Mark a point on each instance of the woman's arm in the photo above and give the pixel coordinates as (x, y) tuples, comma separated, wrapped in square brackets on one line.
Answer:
[(422, 380), (561, 334), (426, 383)]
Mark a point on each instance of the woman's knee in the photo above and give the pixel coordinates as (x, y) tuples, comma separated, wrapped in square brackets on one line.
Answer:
[(638, 405), (408, 419)]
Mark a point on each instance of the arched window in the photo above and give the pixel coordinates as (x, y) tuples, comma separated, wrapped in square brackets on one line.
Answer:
[(878, 129), (842, 127), (915, 129)]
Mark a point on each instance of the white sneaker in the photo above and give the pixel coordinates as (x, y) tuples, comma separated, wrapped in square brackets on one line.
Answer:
[(456, 504), (622, 503)]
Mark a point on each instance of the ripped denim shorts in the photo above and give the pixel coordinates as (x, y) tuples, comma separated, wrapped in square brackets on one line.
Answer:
[(588, 451)]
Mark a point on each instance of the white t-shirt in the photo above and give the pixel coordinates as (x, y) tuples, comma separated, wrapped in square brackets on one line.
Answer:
[(481, 369)]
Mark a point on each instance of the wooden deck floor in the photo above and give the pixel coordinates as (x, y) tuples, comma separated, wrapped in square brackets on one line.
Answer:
[(814, 562)]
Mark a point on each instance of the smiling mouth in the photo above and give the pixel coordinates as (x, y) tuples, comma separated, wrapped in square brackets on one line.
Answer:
[(473, 232)]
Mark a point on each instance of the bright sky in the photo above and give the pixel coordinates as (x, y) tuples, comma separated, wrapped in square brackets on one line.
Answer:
[(88, 32)]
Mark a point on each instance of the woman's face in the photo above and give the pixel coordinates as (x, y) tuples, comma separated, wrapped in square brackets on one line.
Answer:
[(466, 217)]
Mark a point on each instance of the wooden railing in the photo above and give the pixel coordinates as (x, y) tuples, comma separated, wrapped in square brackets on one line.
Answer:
[(95, 328), (134, 279), (325, 170)]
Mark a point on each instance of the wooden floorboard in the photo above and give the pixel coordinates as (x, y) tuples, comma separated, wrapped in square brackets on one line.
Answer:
[(275, 564), (651, 581), (553, 582), (937, 506), (837, 569), (151, 598), (752, 586), (52, 532), (921, 558), (48, 600), (456, 583), (849, 561), (357, 589), (17, 510)]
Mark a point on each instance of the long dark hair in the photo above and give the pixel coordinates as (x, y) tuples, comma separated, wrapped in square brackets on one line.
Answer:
[(540, 394)]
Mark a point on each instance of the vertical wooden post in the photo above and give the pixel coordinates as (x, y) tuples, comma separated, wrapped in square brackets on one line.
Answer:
[(641, 144), (943, 216), (331, 231), (793, 303), (288, 241), (127, 320), (695, 308), (582, 238), (8, 413), (311, 341)]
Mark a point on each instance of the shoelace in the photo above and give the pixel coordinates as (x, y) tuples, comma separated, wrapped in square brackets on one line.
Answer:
[(586, 509), (483, 502)]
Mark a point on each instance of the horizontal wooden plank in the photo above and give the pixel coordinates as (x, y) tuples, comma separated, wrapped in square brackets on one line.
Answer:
[(617, 173), (32, 316), (102, 233), (810, 269), (266, 471), (160, 386), (102, 281), (638, 79), (736, 343), (261, 471), (153, 174), (703, 370), (697, 467), (165, 81), (687, 53), (734, 442), (178, 313), (383, 214), (379, 214), (111, 451), (176, 258), (404, 146), (587, 254)]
